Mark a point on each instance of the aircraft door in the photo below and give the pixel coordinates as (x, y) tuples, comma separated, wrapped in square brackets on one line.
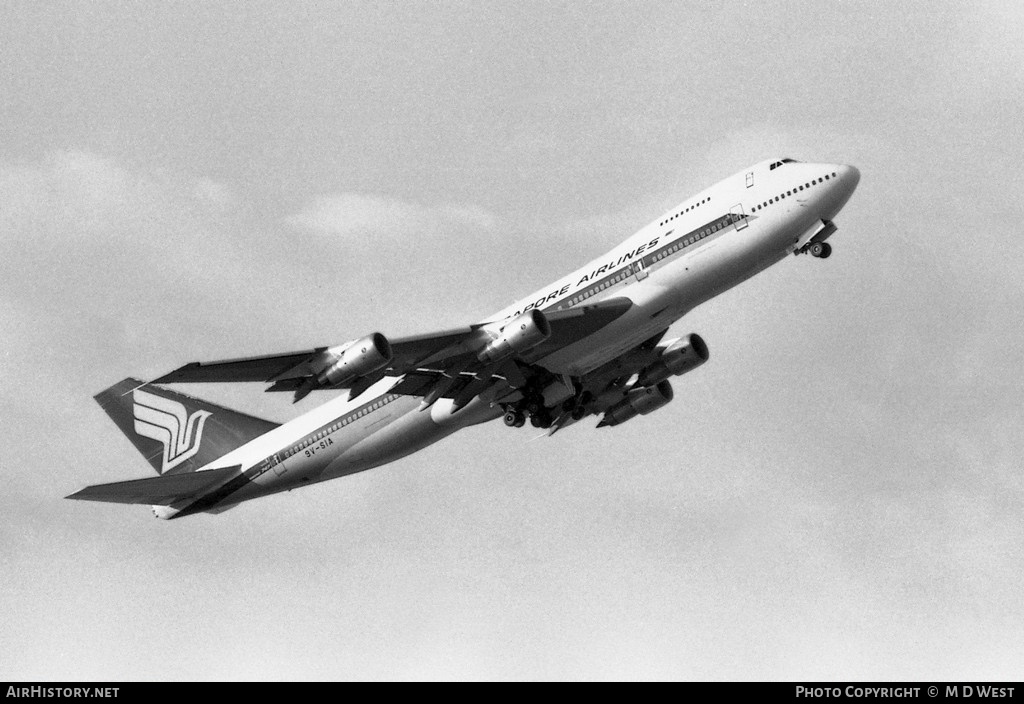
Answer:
[(737, 216), (274, 462), (639, 270)]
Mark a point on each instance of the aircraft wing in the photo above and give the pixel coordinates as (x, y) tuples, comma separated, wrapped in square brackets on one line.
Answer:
[(430, 353), (408, 351), (160, 491), (244, 369), (572, 324)]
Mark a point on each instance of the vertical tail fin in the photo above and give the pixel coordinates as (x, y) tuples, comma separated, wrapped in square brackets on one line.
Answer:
[(174, 432)]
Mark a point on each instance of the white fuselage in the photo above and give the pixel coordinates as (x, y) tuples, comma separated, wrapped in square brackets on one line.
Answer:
[(706, 245)]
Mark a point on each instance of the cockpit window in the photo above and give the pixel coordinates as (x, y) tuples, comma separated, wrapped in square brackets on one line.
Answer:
[(780, 163)]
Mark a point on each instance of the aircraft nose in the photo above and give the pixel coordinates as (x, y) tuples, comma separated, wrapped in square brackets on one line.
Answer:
[(849, 176)]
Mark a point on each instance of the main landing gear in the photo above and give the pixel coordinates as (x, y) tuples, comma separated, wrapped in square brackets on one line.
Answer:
[(541, 419), (538, 419), (532, 406), (515, 418)]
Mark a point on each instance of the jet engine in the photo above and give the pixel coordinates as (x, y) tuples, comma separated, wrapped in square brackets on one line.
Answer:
[(680, 356), (517, 336), (348, 362), (639, 401)]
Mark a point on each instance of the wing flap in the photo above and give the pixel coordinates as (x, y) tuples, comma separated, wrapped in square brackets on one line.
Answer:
[(160, 491), (416, 383)]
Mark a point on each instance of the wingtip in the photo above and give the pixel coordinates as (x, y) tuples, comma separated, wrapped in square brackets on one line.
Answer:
[(172, 376)]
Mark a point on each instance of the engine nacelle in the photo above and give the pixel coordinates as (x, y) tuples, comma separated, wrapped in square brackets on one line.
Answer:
[(517, 336), (682, 355), (639, 401), (348, 362)]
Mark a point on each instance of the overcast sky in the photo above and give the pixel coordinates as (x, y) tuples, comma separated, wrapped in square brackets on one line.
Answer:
[(838, 493)]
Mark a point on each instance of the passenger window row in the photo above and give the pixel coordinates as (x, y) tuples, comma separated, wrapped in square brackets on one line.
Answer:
[(714, 227), (694, 237), (782, 196), (622, 275), (685, 211)]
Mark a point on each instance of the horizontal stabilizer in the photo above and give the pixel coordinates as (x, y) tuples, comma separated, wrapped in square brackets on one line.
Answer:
[(160, 491)]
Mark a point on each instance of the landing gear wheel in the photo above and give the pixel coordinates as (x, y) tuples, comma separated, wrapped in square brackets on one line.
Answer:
[(817, 249), (578, 413), (826, 250), (541, 419), (514, 419)]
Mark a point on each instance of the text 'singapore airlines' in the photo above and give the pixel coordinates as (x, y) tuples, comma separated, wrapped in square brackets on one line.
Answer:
[(594, 343)]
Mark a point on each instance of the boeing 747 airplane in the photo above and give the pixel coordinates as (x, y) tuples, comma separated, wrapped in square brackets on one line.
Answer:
[(589, 344)]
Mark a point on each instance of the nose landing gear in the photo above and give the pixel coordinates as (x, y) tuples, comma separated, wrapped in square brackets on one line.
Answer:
[(821, 250)]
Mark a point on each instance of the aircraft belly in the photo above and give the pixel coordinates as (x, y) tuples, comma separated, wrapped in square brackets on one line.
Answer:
[(300, 469), (284, 476), (408, 431), (398, 430)]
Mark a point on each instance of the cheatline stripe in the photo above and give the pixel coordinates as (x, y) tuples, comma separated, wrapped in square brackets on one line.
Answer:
[(654, 258)]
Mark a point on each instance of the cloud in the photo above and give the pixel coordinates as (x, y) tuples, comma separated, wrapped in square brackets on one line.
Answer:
[(353, 213), (103, 261), (78, 196), (102, 258)]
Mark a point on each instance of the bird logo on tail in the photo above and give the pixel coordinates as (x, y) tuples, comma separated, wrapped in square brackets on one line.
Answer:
[(169, 423)]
